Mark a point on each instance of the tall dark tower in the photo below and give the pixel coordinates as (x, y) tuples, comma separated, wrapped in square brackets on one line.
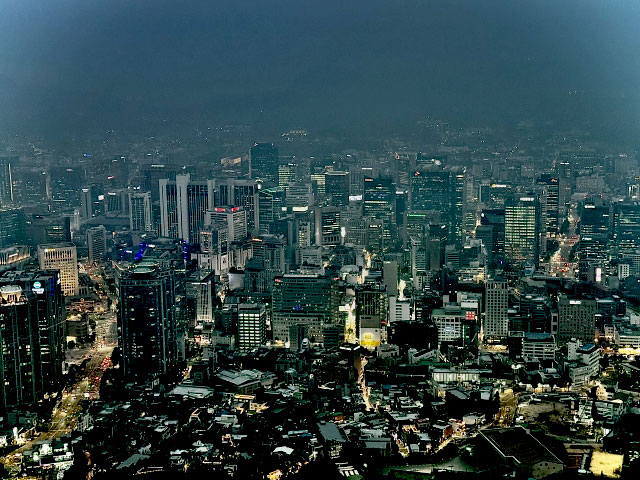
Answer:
[(148, 320), (263, 163), (7, 165)]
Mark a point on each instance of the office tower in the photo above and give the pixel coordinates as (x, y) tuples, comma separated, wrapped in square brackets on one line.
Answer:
[(263, 162), (521, 230), (116, 201), (183, 207), (496, 321), (627, 226), (21, 381), (431, 190), (49, 314), (576, 319), (270, 249), (97, 243), (148, 317), (63, 257), (436, 244), (153, 172), (318, 183), (241, 193), (307, 299), (287, 174), (374, 234), (549, 203), (252, 326), (299, 197), (458, 205), (271, 207), (201, 290), (140, 212), (450, 321), (12, 227), (92, 200), (336, 185), (372, 314), (31, 186), (232, 220), (328, 231), (595, 222), (7, 165), (379, 202)]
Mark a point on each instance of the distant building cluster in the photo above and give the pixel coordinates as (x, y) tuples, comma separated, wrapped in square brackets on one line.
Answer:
[(469, 305)]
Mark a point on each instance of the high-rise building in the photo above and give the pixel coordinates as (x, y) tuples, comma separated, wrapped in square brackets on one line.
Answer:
[(252, 326), (12, 227), (232, 220), (271, 207), (307, 299), (21, 381), (431, 190), (576, 319), (92, 200), (183, 207), (458, 206), (379, 202), (328, 231), (263, 162), (48, 312), (7, 165), (287, 174), (62, 257), (97, 243), (336, 186), (549, 203), (627, 226), (595, 223), (372, 314), (496, 320), (521, 230), (140, 219), (149, 310)]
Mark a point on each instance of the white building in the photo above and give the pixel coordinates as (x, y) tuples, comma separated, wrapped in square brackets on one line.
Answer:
[(252, 326), (539, 345)]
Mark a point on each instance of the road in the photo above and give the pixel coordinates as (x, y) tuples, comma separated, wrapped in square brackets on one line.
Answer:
[(559, 264)]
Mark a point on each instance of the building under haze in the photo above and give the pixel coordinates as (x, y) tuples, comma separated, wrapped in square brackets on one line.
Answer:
[(148, 320), (263, 163), (522, 230)]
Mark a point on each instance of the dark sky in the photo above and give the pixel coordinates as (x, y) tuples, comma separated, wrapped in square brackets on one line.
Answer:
[(76, 65)]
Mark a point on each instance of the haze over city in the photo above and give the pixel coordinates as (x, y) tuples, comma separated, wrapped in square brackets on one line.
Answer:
[(336, 240)]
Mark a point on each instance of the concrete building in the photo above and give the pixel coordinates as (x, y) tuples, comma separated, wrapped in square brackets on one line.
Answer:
[(496, 321), (62, 257)]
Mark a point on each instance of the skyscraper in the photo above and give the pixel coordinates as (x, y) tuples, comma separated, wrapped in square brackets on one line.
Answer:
[(496, 320), (271, 207), (7, 165), (21, 381), (140, 219), (549, 203), (231, 220), (48, 312), (63, 257), (379, 202), (12, 227), (336, 186), (521, 230), (147, 320), (97, 243), (595, 223), (183, 206), (328, 231), (431, 190), (263, 163)]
